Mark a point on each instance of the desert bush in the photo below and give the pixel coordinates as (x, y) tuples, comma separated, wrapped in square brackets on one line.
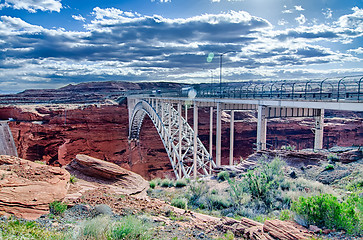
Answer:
[(17, 229), (103, 227), (57, 208), (179, 203), (73, 179), (309, 186), (223, 176), (329, 167), (167, 182), (95, 228), (356, 185), (152, 184), (180, 183), (197, 189), (325, 210), (217, 202), (332, 157), (263, 183), (130, 227), (288, 147), (285, 215), (259, 190), (238, 192)]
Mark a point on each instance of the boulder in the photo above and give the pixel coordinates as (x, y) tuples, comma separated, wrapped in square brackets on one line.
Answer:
[(95, 167), (94, 174), (27, 188), (286, 230), (270, 230)]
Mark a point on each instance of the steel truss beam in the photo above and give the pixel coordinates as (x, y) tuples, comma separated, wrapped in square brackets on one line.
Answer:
[(176, 135)]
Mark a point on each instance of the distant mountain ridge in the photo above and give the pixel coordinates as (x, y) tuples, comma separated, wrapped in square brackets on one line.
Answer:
[(90, 92)]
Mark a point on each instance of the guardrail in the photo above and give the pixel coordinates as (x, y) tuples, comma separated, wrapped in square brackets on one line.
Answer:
[(330, 89)]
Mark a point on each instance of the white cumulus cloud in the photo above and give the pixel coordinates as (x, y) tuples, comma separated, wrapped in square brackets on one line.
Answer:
[(78, 18), (299, 8), (33, 5), (328, 13), (354, 20), (301, 19)]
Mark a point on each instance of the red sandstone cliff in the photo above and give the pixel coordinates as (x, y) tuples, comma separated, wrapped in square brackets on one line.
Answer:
[(56, 134)]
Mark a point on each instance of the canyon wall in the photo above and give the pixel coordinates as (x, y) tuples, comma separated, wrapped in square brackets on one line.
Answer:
[(56, 133)]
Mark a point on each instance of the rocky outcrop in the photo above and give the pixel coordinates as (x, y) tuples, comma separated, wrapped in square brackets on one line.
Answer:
[(57, 133), (7, 144), (286, 230), (97, 168), (93, 173), (27, 188), (270, 230)]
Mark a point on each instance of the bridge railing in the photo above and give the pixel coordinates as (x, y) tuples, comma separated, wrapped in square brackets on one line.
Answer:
[(348, 88)]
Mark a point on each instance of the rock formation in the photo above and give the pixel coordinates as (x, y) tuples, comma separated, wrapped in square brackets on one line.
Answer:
[(270, 230), (7, 144), (27, 188), (93, 173)]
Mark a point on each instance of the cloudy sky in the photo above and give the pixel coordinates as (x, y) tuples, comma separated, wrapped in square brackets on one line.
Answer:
[(52, 43)]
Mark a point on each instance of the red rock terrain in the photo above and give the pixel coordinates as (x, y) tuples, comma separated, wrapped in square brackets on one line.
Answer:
[(56, 134), (27, 188)]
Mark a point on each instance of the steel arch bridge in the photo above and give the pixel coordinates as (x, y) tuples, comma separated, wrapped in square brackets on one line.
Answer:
[(188, 155), (186, 152)]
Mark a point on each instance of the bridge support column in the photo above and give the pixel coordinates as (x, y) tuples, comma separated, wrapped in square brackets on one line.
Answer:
[(319, 130), (261, 128), (231, 138), (210, 137), (186, 112), (169, 127), (218, 135), (195, 143), (180, 136)]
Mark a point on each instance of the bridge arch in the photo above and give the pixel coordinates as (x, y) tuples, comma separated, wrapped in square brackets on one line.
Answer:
[(176, 135)]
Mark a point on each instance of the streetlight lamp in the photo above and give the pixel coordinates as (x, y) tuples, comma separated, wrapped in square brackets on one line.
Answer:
[(220, 71)]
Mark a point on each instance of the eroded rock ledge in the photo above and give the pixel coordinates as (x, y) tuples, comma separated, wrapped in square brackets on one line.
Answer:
[(27, 188)]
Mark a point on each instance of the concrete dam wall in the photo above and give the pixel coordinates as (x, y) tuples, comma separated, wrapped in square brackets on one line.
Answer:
[(7, 144)]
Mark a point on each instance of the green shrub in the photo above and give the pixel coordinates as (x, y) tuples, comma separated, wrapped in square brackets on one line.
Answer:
[(95, 228), (18, 229), (197, 189), (288, 147), (218, 202), (222, 176), (180, 183), (227, 236), (57, 208), (131, 228), (325, 210), (263, 183), (356, 185), (152, 184), (179, 203), (286, 215), (329, 167), (40, 162), (73, 179), (167, 183), (332, 157)]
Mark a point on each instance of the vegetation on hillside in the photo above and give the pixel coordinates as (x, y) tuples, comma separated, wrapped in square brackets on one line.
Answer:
[(266, 192)]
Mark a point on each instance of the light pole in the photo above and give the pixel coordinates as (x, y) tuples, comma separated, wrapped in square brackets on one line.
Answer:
[(220, 71)]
